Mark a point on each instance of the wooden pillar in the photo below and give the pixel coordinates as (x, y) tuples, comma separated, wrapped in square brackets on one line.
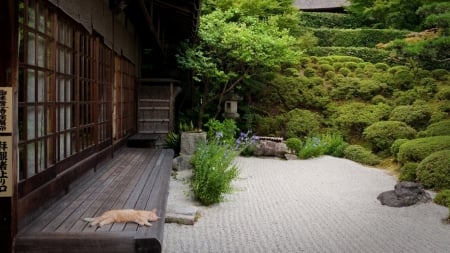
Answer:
[(8, 78)]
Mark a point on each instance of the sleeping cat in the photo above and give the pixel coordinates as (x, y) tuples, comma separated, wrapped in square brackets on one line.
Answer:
[(141, 217)]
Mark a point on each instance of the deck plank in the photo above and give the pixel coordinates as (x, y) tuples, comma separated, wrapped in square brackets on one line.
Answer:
[(132, 179)]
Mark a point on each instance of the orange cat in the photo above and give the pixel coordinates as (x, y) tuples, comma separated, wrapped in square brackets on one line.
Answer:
[(141, 217)]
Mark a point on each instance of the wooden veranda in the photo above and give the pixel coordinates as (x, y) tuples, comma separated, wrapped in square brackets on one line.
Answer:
[(135, 178)]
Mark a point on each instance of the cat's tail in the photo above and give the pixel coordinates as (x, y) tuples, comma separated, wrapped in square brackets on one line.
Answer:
[(88, 219)]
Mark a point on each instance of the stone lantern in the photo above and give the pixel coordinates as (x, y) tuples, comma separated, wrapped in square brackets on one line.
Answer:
[(231, 105)]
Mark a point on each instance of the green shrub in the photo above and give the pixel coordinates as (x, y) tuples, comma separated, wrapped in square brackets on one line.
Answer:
[(382, 134), (329, 75), (434, 170), (294, 144), (408, 172), (309, 72), (334, 144), (225, 131), (416, 115), (302, 123), (325, 19), (382, 66), (249, 150), (440, 74), (396, 146), (378, 99), (359, 154), (313, 147), (325, 68), (352, 118), (213, 172), (270, 126), (436, 129), (344, 71), (443, 94), (173, 142), (356, 37), (403, 79), (368, 88), (443, 198), (342, 58), (405, 97), (416, 150)]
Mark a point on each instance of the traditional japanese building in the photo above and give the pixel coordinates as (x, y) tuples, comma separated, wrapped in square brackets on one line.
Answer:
[(77, 79)]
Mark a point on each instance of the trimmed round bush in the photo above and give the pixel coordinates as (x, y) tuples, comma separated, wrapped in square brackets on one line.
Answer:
[(416, 116), (436, 129), (381, 66), (344, 71), (294, 144), (309, 72), (396, 146), (408, 172), (416, 150), (378, 99), (443, 198), (359, 154), (443, 94), (403, 79), (439, 74), (434, 171), (382, 134)]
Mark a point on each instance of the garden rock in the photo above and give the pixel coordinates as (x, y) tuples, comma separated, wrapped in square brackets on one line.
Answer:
[(404, 194), (190, 141), (271, 148), (182, 162)]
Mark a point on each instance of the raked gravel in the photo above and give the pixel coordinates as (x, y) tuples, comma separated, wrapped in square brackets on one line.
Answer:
[(325, 204)]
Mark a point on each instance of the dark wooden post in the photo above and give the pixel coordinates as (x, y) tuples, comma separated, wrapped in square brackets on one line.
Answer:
[(8, 78)]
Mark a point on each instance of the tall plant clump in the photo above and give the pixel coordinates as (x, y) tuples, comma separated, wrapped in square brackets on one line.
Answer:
[(213, 172)]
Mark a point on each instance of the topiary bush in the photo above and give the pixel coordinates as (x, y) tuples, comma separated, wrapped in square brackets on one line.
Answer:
[(325, 19), (213, 172), (443, 94), (443, 198), (416, 115), (436, 129), (382, 134), (396, 146), (434, 171), (359, 154), (408, 172), (367, 54), (416, 150)]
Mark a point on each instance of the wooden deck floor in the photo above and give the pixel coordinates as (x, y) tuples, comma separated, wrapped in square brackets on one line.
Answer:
[(135, 178)]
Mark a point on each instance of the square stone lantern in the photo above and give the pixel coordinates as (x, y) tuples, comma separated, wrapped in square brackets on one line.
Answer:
[(231, 105)]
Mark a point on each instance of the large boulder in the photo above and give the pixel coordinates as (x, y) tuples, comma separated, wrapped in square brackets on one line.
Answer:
[(270, 148), (190, 140), (404, 194)]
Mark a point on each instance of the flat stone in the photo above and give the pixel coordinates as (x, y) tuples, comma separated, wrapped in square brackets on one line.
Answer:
[(184, 215)]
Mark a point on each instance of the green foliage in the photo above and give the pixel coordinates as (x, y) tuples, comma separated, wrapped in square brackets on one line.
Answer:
[(309, 72), (382, 134), (325, 19), (367, 54), (213, 172), (403, 79), (326, 144), (434, 170), (172, 141), (444, 94), (440, 74), (443, 198), (352, 118), (356, 37), (436, 129), (408, 172), (417, 115), (398, 14), (294, 144), (395, 147), (313, 147), (359, 154), (334, 144), (416, 150), (302, 123), (224, 131)]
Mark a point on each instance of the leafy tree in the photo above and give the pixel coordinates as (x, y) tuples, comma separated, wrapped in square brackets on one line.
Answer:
[(232, 49)]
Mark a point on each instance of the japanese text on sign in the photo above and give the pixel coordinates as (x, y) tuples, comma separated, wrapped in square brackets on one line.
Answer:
[(6, 176)]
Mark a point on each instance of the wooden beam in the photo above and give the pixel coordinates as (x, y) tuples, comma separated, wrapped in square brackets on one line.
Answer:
[(8, 78), (150, 25)]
